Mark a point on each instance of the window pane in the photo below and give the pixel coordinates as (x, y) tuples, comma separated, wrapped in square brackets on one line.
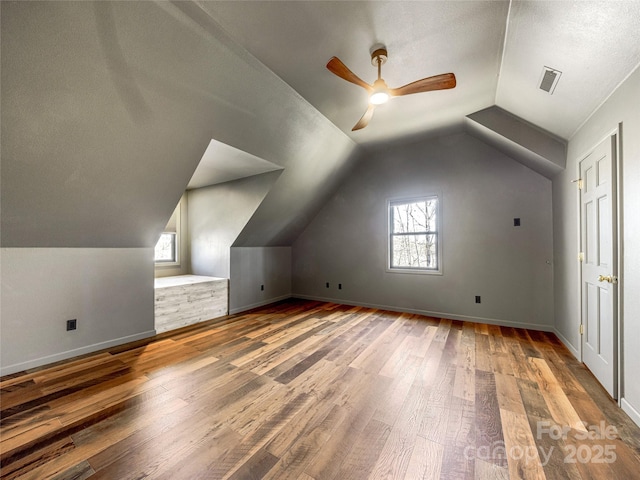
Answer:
[(166, 248), (414, 251), (414, 217)]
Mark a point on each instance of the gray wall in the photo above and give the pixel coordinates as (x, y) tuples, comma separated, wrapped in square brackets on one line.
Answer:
[(622, 106), (217, 214), (95, 152), (107, 108), (253, 267), (484, 254), (108, 290), (104, 125)]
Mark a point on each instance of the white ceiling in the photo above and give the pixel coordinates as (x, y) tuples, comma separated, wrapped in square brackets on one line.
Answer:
[(224, 163), (497, 50), (595, 45), (110, 118)]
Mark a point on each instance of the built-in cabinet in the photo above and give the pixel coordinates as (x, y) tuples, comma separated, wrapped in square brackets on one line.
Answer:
[(187, 299)]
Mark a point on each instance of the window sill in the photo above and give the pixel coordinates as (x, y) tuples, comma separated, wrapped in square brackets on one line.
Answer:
[(414, 271), (166, 264)]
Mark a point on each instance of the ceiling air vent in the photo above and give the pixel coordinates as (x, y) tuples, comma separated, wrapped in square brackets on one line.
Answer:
[(549, 79)]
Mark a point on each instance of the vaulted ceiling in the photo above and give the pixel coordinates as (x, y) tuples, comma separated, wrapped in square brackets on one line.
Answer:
[(109, 107), (497, 50)]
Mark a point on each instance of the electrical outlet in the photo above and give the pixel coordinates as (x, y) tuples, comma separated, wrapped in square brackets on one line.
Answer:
[(339, 286), (72, 324), (516, 222), (261, 287), (478, 299), (327, 284)]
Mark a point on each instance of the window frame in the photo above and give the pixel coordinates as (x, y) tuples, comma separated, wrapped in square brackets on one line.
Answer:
[(391, 202), (177, 234), (176, 252)]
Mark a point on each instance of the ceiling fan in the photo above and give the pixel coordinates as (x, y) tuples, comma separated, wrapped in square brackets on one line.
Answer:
[(379, 92)]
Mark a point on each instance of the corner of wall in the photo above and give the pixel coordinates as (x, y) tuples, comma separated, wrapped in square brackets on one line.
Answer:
[(259, 276)]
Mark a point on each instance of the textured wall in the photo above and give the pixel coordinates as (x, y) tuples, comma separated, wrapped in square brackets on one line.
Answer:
[(104, 123), (254, 267), (621, 107), (107, 108), (108, 290), (217, 214), (483, 253)]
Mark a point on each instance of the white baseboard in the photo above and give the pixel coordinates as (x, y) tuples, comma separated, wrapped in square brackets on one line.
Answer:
[(451, 316), (39, 362), (629, 410), (574, 351), (262, 303)]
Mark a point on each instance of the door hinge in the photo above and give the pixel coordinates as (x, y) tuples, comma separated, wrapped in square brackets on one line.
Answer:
[(581, 257), (579, 182), (581, 329)]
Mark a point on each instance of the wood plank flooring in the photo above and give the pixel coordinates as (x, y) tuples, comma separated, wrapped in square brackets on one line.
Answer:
[(314, 391)]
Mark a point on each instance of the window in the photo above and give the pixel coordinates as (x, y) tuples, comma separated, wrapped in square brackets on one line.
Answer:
[(414, 235), (166, 248)]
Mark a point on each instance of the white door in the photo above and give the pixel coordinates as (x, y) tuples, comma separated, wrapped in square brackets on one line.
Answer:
[(599, 276)]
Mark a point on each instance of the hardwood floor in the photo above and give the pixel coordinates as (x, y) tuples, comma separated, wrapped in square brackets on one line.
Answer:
[(308, 390)]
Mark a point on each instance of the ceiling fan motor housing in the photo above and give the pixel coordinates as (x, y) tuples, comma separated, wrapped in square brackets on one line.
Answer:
[(378, 55)]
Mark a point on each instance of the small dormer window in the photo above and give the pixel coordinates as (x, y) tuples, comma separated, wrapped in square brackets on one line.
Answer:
[(167, 248)]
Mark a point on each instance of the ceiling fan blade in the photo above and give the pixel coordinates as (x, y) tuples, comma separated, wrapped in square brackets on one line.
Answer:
[(336, 66), (366, 118), (437, 82)]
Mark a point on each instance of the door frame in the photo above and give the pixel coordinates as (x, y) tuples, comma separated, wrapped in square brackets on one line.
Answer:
[(616, 136)]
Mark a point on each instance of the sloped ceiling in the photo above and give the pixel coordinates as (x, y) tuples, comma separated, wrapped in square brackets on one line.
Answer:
[(522, 141), (497, 50), (296, 40), (107, 107), (222, 163), (595, 45)]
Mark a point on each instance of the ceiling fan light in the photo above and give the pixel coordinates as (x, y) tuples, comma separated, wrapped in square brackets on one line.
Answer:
[(380, 93), (379, 97)]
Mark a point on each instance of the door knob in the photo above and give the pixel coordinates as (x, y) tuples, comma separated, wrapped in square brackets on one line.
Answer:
[(607, 278)]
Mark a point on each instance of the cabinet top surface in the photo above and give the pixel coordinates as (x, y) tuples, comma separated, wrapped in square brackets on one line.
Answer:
[(164, 282)]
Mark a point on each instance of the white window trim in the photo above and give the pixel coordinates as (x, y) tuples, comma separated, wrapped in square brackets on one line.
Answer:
[(175, 263), (415, 271)]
